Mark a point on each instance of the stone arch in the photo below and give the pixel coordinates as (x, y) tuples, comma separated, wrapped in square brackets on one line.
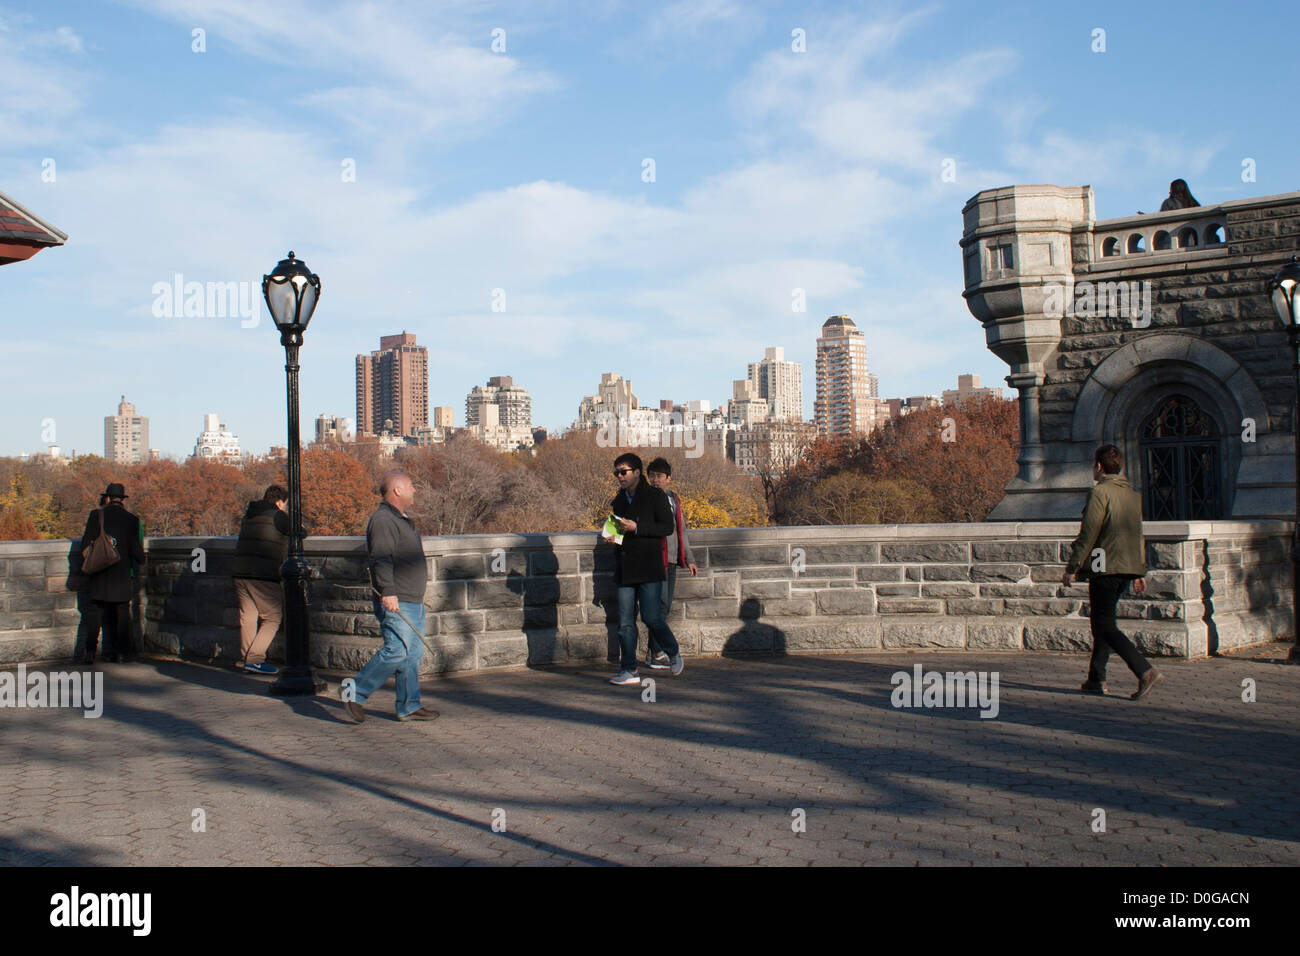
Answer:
[(1125, 387)]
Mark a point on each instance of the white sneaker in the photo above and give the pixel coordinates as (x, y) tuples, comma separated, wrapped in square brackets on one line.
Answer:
[(624, 678)]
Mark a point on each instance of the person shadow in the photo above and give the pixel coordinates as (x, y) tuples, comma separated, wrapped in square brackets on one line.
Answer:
[(754, 637)]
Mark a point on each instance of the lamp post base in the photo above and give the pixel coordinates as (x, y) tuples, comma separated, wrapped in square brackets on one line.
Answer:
[(297, 682)]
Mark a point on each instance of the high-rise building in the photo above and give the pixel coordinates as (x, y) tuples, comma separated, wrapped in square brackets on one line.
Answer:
[(514, 404), (393, 385), (968, 390), (746, 407), (781, 383), (844, 405), (332, 428), (444, 416), (500, 414), (126, 435), (215, 442)]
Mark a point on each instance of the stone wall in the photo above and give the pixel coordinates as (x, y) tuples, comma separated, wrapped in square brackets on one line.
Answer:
[(509, 600)]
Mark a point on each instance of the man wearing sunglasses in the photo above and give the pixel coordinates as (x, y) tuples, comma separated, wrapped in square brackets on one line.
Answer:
[(645, 518)]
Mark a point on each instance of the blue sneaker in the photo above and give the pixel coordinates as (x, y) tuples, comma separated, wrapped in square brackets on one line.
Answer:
[(678, 665), (262, 668)]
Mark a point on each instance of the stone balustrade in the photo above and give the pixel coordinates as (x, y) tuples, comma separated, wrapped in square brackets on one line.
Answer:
[(509, 600)]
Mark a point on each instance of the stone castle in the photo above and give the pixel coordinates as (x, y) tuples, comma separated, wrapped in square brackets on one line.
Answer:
[(1151, 332)]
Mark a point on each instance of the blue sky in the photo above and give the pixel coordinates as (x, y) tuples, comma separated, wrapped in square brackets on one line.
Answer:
[(522, 171)]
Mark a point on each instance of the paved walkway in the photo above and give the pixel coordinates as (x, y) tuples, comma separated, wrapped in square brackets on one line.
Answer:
[(580, 772)]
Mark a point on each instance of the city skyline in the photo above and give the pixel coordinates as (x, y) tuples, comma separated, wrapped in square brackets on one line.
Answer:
[(784, 162)]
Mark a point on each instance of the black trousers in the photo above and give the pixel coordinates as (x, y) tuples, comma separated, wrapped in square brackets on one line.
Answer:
[(113, 618), (1103, 594)]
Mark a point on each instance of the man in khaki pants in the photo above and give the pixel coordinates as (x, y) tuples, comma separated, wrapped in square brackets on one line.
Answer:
[(263, 545), (1108, 553)]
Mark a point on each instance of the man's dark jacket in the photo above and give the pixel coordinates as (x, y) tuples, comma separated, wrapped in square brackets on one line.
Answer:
[(114, 582), (263, 542), (397, 565), (641, 555)]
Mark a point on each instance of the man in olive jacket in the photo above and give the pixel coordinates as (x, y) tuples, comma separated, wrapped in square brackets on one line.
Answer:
[(645, 518), (1109, 553)]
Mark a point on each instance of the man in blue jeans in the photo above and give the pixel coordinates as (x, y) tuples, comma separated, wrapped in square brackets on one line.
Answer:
[(398, 576), (645, 519)]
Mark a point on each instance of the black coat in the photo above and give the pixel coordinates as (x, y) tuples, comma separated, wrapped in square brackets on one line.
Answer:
[(641, 556), (263, 542), (114, 582)]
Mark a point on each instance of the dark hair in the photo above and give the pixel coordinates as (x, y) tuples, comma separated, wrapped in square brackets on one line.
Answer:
[(1110, 458), (275, 493), (629, 459), (1178, 190), (660, 465), (386, 482)]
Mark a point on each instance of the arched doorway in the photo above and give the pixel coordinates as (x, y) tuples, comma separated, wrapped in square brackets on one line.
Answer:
[(1180, 450)]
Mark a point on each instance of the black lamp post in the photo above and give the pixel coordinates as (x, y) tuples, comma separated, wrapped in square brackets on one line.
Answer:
[(1282, 289), (291, 292)]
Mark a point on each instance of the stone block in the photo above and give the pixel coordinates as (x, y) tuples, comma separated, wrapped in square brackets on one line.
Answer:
[(1021, 590), (750, 638), (976, 606), (845, 601), (544, 590), (455, 567), (704, 586), (604, 558), (738, 556), (883, 572), (503, 619), (838, 553), (764, 589), (781, 607), (552, 562), (712, 608), (945, 572), (999, 572), (461, 622), (346, 569), (501, 652), (994, 634), (840, 635), (1014, 552), (445, 596), (948, 590), (887, 605), (912, 634), (498, 592), (898, 590), (943, 552), (1058, 636)]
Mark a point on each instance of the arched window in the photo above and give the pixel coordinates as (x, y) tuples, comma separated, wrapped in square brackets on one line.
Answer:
[(1181, 461), (1187, 238), (1161, 241), (1137, 243), (1214, 234), (1110, 247)]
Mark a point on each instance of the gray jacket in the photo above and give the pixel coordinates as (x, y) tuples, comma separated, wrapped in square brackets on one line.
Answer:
[(397, 565)]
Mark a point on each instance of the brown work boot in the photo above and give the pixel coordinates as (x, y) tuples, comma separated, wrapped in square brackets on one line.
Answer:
[(1146, 682), (423, 713), (354, 710)]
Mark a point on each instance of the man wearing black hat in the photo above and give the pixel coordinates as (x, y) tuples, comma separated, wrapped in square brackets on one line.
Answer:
[(111, 588)]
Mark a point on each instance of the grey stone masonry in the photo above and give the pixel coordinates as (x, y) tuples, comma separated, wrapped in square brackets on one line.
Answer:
[(501, 601), (1104, 322)]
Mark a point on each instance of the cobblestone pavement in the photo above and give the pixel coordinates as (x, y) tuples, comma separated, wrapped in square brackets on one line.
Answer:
[(711, 772)]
